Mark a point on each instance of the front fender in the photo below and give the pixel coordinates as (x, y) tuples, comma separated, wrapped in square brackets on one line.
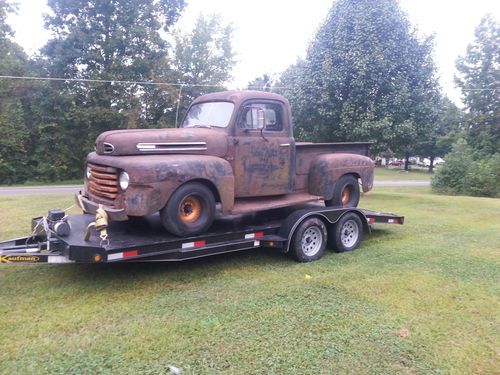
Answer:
[(326, 170), (153, 179)]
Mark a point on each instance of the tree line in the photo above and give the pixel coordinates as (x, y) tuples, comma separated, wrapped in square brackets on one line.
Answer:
[(367, 76)]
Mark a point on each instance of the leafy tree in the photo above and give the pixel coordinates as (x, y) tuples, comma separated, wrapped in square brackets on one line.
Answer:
[(479, 79), (366, 76), (14, 132), (109, 40), (202, 58), (101, 40)]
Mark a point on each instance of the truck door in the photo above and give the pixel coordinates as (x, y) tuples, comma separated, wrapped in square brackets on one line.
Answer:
[(262, 150)]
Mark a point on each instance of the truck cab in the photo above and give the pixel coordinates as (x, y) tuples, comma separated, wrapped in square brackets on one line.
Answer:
[(260, 139)]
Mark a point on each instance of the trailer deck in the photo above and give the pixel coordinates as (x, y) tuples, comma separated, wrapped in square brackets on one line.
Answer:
[(145, 240)]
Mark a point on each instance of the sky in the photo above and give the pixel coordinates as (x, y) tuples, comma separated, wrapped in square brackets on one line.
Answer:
[(269, 35)]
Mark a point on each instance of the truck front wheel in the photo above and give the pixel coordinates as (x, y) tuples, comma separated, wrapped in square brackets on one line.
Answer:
[(189, 211), (346, 192)]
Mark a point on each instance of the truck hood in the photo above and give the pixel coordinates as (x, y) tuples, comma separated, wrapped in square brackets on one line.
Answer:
[(163, 141)]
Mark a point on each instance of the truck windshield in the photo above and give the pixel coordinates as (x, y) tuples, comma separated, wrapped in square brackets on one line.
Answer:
[(214, 114)]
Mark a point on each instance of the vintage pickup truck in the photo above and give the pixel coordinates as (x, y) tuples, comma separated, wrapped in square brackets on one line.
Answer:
[(233, 153)]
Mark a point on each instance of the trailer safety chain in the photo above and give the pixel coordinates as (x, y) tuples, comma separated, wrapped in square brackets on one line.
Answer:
[(42, 223), (101, 225)]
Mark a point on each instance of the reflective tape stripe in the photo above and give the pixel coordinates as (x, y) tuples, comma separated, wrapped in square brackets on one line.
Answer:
[(58, 259), (251, 236), (131, 253), (115, 256), (189, 245)]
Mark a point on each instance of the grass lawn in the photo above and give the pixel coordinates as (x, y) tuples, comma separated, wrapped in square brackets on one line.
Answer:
[(396, 174), (422, 298)]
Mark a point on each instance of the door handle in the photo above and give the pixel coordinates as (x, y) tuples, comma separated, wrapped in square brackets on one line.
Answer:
[(285, 145)]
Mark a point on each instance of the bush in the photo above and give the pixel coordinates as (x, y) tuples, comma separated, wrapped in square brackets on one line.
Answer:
[(461, 174), (450, 177)]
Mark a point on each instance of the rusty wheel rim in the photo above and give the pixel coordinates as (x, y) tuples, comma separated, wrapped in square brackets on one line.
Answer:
[(346, 196), (190, 209)]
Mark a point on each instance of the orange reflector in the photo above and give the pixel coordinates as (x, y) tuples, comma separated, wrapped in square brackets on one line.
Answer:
[(97, 258)]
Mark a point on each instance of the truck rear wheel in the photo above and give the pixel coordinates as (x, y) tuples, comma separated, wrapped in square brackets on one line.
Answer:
[(346, 234), (309, 240), (189, 211), (345, 193)]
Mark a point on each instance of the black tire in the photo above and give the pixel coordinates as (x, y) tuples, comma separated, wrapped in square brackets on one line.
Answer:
[(189, 211), (309, 240), (346, 234), (345, 193)]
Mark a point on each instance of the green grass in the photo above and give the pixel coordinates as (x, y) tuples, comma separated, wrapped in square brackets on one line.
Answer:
[(422, 298), (396, 174)]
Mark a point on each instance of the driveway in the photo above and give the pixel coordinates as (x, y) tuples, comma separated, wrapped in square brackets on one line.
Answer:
[(72, 189)]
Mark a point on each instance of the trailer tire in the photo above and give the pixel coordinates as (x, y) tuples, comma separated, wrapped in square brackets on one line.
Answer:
[(346, 234), (345, 193), (189, 211), (309, 240)]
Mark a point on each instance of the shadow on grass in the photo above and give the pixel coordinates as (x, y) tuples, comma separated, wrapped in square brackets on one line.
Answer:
[(378, 232), (192, 270)]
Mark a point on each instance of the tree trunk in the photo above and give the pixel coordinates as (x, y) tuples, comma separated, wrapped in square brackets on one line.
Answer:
[(407, 161), (431, 164)]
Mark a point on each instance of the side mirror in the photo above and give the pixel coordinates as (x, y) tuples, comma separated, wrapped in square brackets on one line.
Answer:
[(255, 118), (261, 118)]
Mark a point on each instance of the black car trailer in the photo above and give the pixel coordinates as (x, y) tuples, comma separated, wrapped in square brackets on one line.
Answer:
[(301, 232)]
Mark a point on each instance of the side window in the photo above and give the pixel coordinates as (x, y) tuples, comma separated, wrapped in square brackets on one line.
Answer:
[(261, 115)]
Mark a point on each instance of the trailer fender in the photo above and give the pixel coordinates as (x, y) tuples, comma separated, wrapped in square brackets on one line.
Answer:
[(328, 216), (327, 169)]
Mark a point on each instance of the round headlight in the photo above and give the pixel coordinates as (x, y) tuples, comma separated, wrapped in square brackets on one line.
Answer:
[(88, 172), (124, 180)]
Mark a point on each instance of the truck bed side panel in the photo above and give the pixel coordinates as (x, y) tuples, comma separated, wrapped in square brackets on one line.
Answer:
[(307, 152), (326, 169)]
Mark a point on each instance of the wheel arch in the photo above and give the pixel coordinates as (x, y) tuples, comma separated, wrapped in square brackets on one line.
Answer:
[(207, 183), (226, 202), (213, 172)]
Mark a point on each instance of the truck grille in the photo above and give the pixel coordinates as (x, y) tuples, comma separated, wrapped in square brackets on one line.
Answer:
[(103, 181)]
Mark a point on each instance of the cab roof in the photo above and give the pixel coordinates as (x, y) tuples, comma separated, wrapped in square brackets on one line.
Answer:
[(238, 97)]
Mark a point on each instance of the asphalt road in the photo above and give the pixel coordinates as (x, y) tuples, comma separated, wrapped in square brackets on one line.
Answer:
[(71, 189)]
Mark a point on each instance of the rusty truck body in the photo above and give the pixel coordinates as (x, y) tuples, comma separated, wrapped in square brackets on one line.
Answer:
[(233, 153)]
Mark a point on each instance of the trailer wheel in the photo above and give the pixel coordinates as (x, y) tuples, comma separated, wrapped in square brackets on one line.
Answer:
[(345, 193), (189, 211), (346, 234), (309, 240)]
